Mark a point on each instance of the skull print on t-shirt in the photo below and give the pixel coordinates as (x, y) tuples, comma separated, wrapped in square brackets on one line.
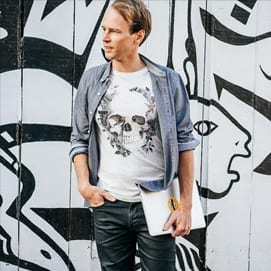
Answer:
[(124, 128)]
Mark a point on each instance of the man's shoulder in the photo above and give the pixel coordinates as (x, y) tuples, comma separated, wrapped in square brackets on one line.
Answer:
[(95, 70), (158, 67), (168, 70)]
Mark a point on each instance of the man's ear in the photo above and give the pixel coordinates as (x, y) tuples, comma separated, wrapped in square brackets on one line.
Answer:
[(140, 36)]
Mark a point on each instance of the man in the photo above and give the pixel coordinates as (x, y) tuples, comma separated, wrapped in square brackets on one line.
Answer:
[(131, 127)]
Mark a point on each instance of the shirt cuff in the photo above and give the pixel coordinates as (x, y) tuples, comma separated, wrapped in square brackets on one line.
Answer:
[(77, 150), (191, 145)]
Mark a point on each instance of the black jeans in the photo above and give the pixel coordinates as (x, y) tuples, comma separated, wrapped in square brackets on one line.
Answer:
[(119, 227)]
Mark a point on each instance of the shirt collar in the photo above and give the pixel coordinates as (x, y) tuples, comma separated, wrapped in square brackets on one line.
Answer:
[(152, 67)]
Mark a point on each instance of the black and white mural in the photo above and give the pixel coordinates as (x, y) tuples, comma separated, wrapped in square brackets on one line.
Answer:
[(220, 48)]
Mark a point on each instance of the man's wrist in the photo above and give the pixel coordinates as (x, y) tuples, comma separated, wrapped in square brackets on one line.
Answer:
[(84, 185)]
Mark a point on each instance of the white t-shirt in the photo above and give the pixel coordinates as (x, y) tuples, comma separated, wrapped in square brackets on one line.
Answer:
[(129, 135)]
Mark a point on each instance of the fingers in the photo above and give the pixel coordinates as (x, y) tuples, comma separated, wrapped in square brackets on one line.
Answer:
[(170, 223), (99, 197), (180, 224), (108, 196), (181, 232), (97, 204), (95, 195)]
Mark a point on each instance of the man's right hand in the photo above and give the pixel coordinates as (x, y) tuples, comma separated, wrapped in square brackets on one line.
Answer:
[(94, 195)]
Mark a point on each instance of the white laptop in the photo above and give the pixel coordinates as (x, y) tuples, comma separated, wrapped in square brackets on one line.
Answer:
[(159, 205)]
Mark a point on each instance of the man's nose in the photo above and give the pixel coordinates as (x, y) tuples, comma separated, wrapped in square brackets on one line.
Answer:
[(106, 36)]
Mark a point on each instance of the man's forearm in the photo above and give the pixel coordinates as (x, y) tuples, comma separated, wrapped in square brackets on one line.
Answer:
[(80, 162), (181, 217), (186, 177)]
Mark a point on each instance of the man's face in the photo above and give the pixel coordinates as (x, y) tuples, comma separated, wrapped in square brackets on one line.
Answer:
[(118, 43)]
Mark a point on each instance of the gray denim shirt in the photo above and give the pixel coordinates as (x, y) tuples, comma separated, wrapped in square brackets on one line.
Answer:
[(173, 112)]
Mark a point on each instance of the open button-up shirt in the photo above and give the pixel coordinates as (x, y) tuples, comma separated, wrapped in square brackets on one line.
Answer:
[(173, 112)]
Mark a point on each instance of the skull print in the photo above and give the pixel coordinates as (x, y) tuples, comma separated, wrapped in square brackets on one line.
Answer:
[(127, 130)]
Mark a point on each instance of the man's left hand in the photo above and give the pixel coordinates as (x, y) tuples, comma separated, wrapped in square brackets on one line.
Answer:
[(180, 220)]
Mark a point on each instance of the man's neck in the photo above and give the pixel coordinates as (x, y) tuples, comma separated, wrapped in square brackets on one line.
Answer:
[(128, 65)]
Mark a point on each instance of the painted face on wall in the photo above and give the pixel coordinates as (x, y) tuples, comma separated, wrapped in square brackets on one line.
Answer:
[(226, 140)]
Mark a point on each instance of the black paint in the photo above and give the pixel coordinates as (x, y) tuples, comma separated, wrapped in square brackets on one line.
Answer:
[(219, 31), (242, 15), (70, 223)]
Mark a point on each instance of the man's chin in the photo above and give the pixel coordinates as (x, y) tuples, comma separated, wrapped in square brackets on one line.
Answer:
[(107, 57)]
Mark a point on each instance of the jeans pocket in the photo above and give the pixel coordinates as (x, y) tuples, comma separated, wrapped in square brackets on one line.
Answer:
[(105, 204)]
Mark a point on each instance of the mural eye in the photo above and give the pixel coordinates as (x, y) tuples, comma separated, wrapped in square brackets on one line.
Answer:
[(204, 127)]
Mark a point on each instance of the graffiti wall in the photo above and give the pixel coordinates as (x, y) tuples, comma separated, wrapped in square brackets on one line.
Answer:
[(221, 48)]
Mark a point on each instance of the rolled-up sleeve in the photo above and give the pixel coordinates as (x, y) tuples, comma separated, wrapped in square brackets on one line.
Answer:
[(185, 137), (80, 123)]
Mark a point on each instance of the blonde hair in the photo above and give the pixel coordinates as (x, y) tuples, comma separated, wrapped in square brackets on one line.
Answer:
[(136, 13)]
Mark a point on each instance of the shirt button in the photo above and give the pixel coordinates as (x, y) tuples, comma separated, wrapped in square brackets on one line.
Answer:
[(99, 94), (90, 112)]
